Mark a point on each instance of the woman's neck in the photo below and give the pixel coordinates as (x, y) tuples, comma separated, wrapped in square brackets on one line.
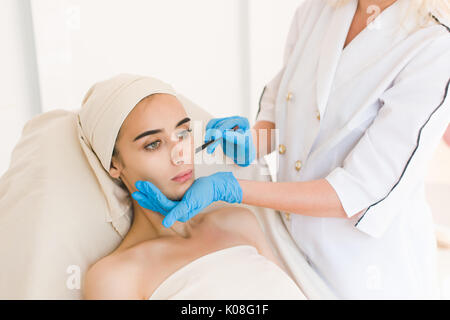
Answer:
[(382, 4), (147, 225)]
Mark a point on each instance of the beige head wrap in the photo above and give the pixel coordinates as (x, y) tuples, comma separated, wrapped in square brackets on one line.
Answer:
[(104, 108)]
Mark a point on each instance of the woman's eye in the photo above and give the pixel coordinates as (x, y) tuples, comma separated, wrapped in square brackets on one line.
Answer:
[(152, 146), (184, 134)]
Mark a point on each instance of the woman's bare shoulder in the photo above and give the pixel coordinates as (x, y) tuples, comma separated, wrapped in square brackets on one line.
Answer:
[(125, 274), (113, 277)]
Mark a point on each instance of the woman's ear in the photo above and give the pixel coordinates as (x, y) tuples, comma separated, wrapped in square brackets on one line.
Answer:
[(116, 167)]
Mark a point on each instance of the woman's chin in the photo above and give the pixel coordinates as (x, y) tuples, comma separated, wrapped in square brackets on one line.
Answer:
[(179, 190)]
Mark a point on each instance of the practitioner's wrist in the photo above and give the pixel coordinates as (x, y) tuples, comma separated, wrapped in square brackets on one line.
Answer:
[(226, 188)]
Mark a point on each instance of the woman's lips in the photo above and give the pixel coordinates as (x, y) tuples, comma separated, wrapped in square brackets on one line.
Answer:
[(183, 177)]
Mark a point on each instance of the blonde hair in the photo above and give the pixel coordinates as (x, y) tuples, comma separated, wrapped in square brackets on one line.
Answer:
[(424, 10)]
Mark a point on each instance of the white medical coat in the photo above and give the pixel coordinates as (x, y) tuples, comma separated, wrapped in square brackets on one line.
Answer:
[(367, 119)]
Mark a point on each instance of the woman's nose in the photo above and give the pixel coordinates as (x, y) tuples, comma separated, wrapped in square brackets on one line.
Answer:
[(179, 153)]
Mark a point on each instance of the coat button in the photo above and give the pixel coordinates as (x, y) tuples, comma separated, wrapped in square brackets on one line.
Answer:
[(289, 96), (282, 149), (287, 216), (318, 115), (298, 165)]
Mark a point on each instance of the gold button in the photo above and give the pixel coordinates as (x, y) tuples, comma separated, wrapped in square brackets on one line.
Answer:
[(287, 216), (282, 148), (289, 96), (318, 115), (298, 165)]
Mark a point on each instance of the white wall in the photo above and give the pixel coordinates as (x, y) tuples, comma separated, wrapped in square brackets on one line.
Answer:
[(219, 53), (194, 45), (19, 99), (269, 22)]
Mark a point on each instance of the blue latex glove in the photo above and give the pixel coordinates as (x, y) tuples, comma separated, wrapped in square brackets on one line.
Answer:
[(221, 186), (150, 197), (237, 145)]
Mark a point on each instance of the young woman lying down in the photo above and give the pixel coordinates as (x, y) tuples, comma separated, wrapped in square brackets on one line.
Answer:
[(140, 131)]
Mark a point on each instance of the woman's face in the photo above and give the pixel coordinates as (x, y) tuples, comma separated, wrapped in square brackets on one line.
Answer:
[(155, 144)]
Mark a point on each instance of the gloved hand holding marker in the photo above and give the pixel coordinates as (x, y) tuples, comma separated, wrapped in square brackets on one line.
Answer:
[(236, 138), (206, 144)]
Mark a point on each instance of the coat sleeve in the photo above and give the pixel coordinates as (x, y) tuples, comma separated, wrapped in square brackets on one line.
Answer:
[(266, 111), (389, 161)]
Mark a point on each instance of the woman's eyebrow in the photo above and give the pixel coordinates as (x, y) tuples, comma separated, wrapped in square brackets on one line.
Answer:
[(183, 121), (147, 133)]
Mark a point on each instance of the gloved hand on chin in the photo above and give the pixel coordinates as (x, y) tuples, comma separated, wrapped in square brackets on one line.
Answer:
[(220, 186)]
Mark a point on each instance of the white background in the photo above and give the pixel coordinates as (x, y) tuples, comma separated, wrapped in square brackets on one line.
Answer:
[(219, 53)]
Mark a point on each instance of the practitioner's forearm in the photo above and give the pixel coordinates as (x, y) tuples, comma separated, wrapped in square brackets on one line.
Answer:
[(315, 198)]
